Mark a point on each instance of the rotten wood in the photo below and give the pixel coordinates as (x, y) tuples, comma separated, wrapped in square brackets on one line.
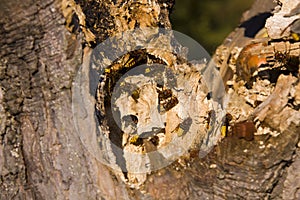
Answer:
[(42, 156)]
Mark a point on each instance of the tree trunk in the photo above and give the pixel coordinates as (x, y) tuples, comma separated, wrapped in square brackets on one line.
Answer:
[(42, 156)]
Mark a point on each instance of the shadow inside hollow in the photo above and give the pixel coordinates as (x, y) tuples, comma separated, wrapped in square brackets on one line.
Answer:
[(254, 24)]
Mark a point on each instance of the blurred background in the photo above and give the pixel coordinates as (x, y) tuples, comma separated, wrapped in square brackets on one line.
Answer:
[(208, 21)]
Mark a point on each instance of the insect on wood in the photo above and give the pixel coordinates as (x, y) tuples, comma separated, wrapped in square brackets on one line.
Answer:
[(268, 60)]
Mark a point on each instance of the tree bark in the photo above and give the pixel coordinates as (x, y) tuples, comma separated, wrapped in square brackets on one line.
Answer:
[(44, 43)]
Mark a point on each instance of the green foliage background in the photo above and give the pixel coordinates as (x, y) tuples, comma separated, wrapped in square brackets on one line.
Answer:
[(208, 21)]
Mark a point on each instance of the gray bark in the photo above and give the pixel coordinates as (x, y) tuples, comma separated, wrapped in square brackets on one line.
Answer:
[(43, 44)]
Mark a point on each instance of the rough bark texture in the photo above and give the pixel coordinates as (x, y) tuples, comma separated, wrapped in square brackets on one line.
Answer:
[(41, 155)]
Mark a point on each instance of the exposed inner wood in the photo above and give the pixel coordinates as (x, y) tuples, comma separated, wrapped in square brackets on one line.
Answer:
[(43, 157)]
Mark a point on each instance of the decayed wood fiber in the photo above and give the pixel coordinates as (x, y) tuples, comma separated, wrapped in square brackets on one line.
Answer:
[(41, 157)]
